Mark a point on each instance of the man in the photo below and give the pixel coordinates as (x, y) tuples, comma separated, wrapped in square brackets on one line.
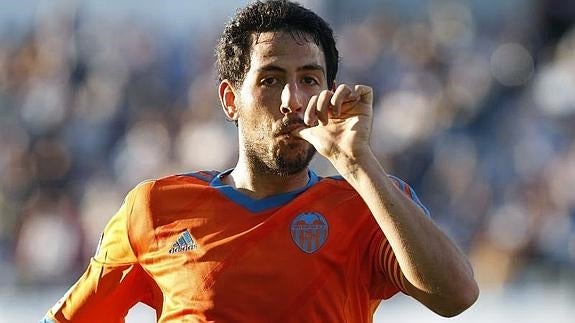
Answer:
[(269, 240)]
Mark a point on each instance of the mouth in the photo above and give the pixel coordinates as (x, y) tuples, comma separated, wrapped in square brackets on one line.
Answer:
[(289, 139), (289, 126)]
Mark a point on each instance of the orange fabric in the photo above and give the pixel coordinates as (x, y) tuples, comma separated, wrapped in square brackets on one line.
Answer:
[(241, 266)]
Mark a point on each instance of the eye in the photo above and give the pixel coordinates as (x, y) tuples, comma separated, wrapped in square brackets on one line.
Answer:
[(269, 81), (310, 80)]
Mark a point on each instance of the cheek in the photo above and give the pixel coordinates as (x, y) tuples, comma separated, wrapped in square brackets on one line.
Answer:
[(259, 112), (262, 108), (270, 102), (256, 122)]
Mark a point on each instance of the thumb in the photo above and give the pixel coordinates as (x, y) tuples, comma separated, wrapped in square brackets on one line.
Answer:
[(304, 133)]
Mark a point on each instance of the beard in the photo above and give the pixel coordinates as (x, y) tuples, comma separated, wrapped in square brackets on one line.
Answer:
[(283, 160), (284, 157)]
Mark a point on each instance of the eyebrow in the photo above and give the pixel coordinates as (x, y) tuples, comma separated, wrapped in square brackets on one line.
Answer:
[(307, 67)]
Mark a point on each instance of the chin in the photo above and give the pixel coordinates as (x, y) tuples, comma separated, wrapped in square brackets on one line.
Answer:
[(295, 160), (284, 158)]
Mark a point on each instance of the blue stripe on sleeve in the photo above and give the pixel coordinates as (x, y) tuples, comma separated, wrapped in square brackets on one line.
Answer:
[(401, 184)]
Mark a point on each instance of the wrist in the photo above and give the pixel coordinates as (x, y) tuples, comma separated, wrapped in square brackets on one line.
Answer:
[(352, 165)]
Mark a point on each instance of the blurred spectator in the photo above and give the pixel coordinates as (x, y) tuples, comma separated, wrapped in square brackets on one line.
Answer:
[(478, 119)]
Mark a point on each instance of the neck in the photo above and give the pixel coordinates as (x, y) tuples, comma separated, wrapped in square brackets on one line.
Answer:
[(246, 179)]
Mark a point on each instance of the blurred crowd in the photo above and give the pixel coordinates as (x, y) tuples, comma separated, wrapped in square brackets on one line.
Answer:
[(475, 110)]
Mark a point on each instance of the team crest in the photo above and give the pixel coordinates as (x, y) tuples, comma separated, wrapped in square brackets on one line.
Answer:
[(309, 231)]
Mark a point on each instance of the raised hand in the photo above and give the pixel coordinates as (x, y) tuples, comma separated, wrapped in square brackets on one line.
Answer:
[(339, 122)]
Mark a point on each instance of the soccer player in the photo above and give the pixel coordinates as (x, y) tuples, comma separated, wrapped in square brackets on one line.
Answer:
[(269, 240)]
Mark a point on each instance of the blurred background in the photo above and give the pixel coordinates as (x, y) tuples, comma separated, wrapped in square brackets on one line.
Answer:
[(474, 107)]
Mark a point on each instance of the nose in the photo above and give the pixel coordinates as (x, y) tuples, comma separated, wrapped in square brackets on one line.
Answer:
[(291, 100)]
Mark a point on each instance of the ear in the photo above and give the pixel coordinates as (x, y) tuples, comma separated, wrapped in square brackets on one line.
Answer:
[(228, 100)]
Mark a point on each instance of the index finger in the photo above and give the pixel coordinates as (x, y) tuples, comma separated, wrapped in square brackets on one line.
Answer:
[(342, 94)]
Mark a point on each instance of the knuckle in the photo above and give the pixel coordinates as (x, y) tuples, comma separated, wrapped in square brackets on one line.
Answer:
[(312, 100), (325, 94)]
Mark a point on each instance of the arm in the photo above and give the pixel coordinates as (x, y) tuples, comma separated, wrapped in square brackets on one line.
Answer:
[(435, 272)]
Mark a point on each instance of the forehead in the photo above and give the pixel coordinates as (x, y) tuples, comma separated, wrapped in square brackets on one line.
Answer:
[(285, 49)]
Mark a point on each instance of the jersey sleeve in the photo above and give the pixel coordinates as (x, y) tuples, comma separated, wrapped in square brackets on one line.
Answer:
[(407, 190), (113, 281), (389, 279)]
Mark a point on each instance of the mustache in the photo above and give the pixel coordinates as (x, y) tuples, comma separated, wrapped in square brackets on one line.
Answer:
[(287, 125)]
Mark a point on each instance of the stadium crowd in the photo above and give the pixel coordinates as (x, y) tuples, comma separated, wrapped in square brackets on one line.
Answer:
[(475, 111)]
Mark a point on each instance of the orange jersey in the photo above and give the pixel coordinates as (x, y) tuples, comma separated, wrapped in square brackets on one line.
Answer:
[(196, 250)]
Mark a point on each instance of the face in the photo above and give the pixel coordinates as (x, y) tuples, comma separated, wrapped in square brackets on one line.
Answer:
[(285, 72)]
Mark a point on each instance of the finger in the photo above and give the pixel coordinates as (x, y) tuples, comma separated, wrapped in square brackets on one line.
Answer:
[(342, 94), (323, 104), (365, 93), (310, 114)]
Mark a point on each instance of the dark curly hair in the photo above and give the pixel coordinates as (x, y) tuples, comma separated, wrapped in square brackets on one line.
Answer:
[(234, 47)]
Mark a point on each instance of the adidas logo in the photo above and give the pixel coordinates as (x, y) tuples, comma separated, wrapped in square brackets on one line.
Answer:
[(184, 243)]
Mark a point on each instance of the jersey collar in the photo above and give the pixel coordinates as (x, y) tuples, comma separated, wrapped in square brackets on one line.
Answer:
[(259, 205)]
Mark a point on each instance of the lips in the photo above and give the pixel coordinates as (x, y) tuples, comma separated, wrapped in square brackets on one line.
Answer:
[(288, 127)]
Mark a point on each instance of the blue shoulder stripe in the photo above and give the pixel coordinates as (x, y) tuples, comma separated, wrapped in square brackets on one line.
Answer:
[(404, 187)]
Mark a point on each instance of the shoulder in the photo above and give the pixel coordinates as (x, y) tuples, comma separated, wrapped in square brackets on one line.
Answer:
[(172, 184), (156, 202), (334, 190), (335, 182), (171, 192)]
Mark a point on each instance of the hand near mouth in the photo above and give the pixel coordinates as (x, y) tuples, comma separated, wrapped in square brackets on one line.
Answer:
[(288, 126), (339, 122)]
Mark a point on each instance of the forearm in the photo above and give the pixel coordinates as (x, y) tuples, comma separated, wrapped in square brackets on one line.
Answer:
[(436, 270)]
